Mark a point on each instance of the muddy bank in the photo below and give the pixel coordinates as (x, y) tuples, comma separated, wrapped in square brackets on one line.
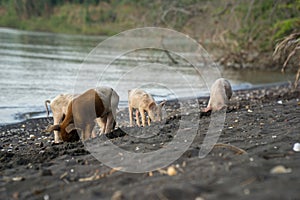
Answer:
[(262, 122)]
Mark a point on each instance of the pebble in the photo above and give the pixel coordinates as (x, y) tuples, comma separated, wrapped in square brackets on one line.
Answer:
[(280, 169), (246, 191), (46, 197), (31, 136), (296, 147), (118, 195), (18, 178), (171, 171), (279, 102)]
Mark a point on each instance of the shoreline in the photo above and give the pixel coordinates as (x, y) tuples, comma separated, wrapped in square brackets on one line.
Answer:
[(262, 122), (36, 114)]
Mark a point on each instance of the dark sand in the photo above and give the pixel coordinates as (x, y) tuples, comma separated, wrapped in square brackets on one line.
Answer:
[(263, 122)]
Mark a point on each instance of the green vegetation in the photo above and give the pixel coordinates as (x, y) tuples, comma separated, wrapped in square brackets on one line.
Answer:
[(233, 26)]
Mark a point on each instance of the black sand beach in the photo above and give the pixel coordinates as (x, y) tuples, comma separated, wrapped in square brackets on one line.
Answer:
[(263, 122)]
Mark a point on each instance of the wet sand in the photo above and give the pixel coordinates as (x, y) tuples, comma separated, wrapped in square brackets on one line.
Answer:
[(263, 122)]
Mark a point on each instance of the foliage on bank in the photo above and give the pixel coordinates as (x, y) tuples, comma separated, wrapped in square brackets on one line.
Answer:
[(240, 28)]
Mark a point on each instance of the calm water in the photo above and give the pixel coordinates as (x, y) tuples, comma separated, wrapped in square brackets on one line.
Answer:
[(38, 66)]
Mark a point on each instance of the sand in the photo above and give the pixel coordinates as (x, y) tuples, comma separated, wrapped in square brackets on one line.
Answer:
[(263, 122)]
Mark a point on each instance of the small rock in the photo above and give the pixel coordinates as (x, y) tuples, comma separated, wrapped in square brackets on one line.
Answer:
[(15, 195), (246, 191), (280, 169), (296, 147), (41, 144), (250, 111), (31, 136), (171, 171), (18, 178), (279, 102), (46, 197), (118, 195)]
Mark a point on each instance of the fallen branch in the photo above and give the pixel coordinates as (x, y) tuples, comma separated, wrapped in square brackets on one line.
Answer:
[(231, 147)]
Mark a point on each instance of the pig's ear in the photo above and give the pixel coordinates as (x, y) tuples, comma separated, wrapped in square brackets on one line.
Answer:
[(151, 106), (162, 103), (51, 128), (70, 128), (146, 96)]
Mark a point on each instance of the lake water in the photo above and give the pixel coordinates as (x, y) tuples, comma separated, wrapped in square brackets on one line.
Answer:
[(38, 66)]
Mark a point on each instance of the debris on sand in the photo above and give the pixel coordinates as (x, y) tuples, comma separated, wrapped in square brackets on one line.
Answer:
[(97, 176), (296, 147), (237, 150), (280, 169), (171, 171)]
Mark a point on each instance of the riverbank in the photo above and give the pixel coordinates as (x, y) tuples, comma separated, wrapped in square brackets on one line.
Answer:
[(262, 122), (242, 32)]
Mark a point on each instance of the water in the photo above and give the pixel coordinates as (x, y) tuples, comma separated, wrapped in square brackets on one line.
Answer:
[(38, 66)]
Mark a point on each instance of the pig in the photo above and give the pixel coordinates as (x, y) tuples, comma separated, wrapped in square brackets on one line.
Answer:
[(220, 94), (59, 107), (83, 110), (143, 102)]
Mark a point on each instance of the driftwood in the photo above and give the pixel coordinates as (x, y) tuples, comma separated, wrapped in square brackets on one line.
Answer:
[(237, 150)]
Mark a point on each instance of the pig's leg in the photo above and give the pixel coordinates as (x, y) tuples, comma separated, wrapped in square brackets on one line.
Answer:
[(109, 123), (143, 117), (88, 130), (130, 109), (137, 118), (102, 124), (57, 136), (149, 121), (208, 108)]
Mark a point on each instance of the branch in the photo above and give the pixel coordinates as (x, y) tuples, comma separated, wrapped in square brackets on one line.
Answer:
[(289, 57), (231, 147)]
